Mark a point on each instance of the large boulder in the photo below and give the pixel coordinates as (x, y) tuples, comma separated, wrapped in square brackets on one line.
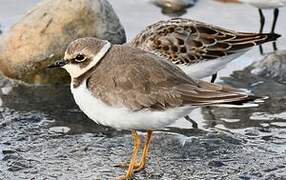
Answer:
[(272, 66), (44, 32)]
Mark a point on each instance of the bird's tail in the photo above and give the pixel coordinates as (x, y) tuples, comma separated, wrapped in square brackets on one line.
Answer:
[(266, 37), (250, 101), (223, 96), (248, 40)]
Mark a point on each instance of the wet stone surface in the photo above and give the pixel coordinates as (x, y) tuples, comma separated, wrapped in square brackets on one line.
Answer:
[(35, 153), (273, 66), (41, 139), (43, 135)]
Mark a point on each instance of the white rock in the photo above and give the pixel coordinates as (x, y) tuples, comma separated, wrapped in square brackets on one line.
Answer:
[(59, 129)]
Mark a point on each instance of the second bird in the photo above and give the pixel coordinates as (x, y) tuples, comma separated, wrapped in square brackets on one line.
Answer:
[(199, 49)]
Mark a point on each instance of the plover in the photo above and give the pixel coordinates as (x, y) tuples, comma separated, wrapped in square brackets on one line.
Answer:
[(199, 49), (128, 88)]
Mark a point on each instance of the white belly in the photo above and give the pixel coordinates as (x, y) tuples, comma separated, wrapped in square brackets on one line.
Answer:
[(266, 4), (207, 68), (121, 117)]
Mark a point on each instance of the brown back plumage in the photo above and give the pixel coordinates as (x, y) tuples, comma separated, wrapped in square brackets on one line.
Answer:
[(185, 41), (136, 79)]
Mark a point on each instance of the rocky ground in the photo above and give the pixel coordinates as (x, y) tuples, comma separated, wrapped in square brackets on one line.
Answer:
[(33, 152), (31, 149), (45, 136)]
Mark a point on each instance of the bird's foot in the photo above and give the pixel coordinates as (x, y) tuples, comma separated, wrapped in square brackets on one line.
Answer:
[(124, 177), (137, 166)]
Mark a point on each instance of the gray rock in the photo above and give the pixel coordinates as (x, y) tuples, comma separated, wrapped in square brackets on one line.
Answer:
[(44, 32), (176, 7), (272, 66)]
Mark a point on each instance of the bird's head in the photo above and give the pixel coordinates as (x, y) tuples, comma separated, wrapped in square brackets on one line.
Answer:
[(82, 55)]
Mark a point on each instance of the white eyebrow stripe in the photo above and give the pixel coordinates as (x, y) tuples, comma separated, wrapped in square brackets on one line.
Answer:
[(95, 60)]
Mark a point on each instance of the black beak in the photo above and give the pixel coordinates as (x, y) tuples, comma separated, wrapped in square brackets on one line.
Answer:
[(59, 63)]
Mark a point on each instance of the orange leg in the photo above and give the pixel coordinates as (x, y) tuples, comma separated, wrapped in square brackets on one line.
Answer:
[(136, 139), (140, 166), (142, 163)]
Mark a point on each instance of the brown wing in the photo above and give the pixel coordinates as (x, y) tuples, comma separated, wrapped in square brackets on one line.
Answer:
[(137, 79), (185, 41)]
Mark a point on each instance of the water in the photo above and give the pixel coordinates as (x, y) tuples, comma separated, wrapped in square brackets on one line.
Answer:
[(45, 136)]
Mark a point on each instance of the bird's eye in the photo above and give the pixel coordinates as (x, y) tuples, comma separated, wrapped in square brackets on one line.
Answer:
[(80, 58)]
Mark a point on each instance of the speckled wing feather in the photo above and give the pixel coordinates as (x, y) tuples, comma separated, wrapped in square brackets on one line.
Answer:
[(185, 41), (133, 78)]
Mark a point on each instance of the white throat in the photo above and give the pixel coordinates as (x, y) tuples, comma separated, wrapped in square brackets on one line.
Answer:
[(75, 71)]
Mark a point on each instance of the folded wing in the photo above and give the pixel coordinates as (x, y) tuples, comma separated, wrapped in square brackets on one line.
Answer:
[(142, 80), (185, 41)]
